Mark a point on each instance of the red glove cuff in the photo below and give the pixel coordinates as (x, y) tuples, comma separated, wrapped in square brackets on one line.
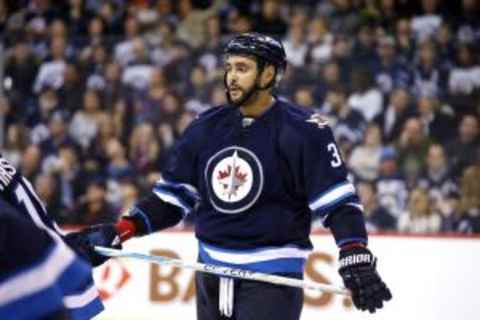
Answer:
[(353, 245), (125, 229)]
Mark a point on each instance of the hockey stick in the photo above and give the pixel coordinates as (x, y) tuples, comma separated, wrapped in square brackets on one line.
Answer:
[(225, 271)]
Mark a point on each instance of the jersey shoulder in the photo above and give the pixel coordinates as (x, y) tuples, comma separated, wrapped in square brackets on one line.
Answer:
[(303, 123), (207, 119)]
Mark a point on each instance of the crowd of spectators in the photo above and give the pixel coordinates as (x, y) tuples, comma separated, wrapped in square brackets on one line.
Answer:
[(94, 93)]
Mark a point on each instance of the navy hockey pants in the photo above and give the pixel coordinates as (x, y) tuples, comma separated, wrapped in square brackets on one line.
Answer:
[(253, 300)]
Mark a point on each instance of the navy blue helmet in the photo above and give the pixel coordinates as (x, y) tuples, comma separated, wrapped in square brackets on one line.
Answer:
[(265, 48)]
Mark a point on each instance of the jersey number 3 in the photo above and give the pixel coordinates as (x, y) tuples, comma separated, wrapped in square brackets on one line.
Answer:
[(337, 161)]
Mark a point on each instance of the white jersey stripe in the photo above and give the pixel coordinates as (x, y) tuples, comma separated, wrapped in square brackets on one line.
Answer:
[(39, 278), (82, 299), (256, 256), (341, 191)]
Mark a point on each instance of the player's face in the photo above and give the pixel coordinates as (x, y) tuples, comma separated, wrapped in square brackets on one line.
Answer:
[(241, 75)]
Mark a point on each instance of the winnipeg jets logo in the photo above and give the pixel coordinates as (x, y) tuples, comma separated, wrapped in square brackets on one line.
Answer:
[(319, 120), (234, 178)]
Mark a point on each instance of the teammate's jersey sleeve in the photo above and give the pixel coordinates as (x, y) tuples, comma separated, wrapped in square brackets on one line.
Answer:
[(80, 296), (325, 175), (40, 274)]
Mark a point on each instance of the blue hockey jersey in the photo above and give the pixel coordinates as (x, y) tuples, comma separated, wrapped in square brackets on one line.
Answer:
[(40, 273), (254, 185)]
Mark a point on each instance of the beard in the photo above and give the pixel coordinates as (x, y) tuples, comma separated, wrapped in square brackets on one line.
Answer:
[(240, 95)]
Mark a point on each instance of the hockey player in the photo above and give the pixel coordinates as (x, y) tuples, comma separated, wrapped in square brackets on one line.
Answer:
[(255, 171), (40, 276)]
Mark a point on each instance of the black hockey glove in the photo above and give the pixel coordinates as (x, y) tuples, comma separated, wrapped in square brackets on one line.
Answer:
[(84, 241), (359, 274)]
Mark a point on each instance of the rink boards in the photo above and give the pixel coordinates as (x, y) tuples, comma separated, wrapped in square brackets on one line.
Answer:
[(432, 278)]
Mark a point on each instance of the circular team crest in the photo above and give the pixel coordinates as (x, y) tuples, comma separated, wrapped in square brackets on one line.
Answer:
[(234, 178)]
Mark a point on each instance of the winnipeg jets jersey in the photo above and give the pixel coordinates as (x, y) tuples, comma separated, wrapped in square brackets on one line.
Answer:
[(255, 185), (42, 275)]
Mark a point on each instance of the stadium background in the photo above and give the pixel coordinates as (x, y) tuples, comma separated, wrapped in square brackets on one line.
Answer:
[(94, 93)]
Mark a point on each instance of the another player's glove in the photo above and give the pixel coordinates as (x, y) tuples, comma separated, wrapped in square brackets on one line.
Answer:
[(358, 270), (84, 241)]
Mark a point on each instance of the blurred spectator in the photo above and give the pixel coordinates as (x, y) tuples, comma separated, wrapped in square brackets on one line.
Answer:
[(343, 17), (72, 90), (123, 51), (365, 158), (48, 191), (144, 149), (412, 149), (426, 24), (464, 80), (388, 13), (77, 17), (320, 41), (84, 125), (129, 196), (197, 90), (392, 119), (19, 75), (364, 46), (365, 97), (106, 132), (48, 104), (170, 49), (376, 217), (118, 167), (58, 134), (390, 185), (437, 124), (467, 23), (139, 70), (16, 140), (445, 49), (419, 217), (70, 177), (389, 71), (330, 78), (436, 179), (296, 46), (469, 208), (404, 40), (193, 21), (270, 21), (147, 107), (304, 96), (461, 151), (113, 89), (211, 55), (217, 95), (348, 125), (31, 162), (428, 78), (94, 208), (7, 118), (342, 55), (239, 22), (51, 72)]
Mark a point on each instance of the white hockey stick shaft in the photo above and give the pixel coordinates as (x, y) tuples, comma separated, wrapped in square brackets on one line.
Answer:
[(225, 271)]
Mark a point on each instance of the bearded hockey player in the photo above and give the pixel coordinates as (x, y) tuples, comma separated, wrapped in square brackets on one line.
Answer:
[(255, 171)]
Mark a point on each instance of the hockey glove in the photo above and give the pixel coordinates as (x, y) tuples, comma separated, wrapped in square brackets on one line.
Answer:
[(359, 274), (84, 241)]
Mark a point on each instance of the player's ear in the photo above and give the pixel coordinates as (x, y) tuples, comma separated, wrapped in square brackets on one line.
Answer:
[(268, 75)]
